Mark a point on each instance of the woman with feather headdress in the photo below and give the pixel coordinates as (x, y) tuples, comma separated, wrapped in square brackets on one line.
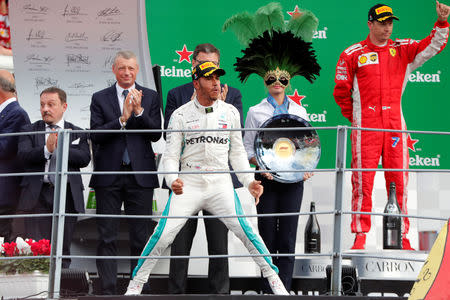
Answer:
[(276, 51)]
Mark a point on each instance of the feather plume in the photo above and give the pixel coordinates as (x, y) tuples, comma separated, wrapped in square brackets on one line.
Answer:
[(269, 18), (243, 26), (303, 25), (271, 44), (280, 50)]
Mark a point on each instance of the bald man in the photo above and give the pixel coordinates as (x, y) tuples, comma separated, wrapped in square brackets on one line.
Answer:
[(12, 118)]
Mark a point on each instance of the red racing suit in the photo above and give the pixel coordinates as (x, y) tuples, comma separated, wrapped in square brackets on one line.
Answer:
[(370, 81)]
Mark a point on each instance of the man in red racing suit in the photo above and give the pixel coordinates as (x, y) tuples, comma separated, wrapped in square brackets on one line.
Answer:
[(370, 79)]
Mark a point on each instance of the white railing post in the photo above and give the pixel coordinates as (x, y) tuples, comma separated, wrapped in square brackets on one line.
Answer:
[(336, 270), (59, 210)]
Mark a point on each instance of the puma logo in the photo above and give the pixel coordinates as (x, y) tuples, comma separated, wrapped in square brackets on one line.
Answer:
[(372, 107)]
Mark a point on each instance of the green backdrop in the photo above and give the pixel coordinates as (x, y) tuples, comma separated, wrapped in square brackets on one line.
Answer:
[(173, 24)]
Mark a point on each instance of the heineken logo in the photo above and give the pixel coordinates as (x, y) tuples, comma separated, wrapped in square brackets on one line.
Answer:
[(296, 97), (411, 143), (171, 71), (425, 161), (423, 77), (318, 117), (295, 13), (175, 72), (318, 34), (185, 54)]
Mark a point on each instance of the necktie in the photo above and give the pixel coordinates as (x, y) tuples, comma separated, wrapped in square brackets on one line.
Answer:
[(126, 156), (52, 163)]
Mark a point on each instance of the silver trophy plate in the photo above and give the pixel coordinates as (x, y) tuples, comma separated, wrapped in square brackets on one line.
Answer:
[(287, 150)]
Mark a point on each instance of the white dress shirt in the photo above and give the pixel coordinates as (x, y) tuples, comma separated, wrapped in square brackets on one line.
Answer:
[(120, 96)]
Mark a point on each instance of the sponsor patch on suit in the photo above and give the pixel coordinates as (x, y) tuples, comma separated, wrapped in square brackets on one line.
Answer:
[(366, 59)]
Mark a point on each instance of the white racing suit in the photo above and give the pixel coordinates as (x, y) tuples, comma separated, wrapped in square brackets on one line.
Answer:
[(204, 151)]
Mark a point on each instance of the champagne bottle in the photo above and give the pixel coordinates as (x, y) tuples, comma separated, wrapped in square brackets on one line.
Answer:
[(312, 233), (92, 202), (392, 225)]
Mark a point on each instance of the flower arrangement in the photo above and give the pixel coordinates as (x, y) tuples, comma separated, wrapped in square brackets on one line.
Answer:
[(23, 247)]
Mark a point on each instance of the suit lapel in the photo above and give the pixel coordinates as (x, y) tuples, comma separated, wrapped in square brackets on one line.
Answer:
[(139, 88), (114, 101), (73, 136), (40, 126), (9, 108)]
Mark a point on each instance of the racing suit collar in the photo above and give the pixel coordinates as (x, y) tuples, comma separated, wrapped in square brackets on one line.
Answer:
[(204, 109), (378, 48)]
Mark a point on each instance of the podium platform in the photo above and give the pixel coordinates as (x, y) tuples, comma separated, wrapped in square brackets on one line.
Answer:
[(377, 274)]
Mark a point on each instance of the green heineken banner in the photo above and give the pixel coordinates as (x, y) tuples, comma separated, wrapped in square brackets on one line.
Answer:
[(176, 27)]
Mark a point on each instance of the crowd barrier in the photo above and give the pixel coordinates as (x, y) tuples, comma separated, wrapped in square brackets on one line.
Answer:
[(340, 169)]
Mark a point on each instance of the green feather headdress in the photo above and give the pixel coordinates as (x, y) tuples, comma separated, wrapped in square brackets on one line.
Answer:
[(273, 43)]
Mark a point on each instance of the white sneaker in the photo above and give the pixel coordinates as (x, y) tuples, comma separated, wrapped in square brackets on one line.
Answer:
[(276, 285), (134, 288)]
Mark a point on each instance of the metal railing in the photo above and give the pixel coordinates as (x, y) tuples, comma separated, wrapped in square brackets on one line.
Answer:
[(60, 186)]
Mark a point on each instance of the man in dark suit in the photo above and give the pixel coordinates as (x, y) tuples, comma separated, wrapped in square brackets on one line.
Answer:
[(12, 118), (216, 231), (38, 154), (125, 105)]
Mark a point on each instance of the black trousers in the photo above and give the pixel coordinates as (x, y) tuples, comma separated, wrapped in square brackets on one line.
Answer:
[(6, 224), (280, 233), (217, 236), (137, 201), (41, 227)]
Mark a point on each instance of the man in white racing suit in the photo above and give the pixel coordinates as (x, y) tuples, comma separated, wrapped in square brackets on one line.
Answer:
[(205, 151)]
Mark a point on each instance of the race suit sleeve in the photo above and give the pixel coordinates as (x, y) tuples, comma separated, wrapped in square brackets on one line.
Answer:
[(174, 144), (343, 89), (420, 51), (237, 154), (249, 136)]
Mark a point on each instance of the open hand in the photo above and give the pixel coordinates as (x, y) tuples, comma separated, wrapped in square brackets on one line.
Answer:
[(127, 108), (136, 100), (52, 141)]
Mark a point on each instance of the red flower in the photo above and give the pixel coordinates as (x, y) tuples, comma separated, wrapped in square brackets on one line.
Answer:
[(45, 247), (10, 249), (41, 247)]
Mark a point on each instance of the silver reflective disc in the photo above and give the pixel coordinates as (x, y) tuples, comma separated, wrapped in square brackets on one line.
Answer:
[(287, 150)]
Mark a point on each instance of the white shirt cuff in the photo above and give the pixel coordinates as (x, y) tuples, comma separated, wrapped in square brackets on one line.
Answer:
[(122, 125), (140, 114), (47, 153)]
